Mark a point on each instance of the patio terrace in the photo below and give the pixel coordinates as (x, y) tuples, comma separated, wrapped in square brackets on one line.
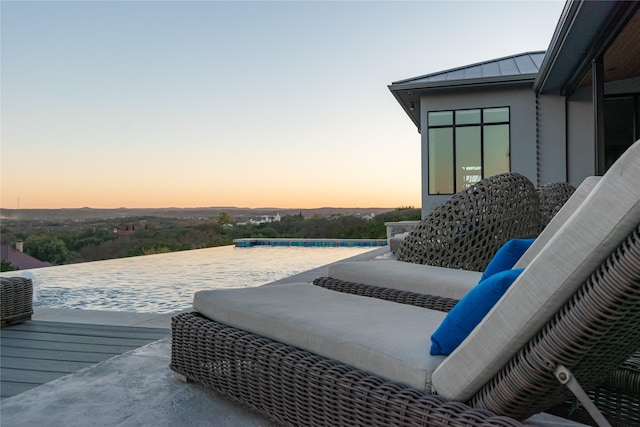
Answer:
[(137, 388)]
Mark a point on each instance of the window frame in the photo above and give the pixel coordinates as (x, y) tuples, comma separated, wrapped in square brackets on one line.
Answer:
[(481, 124)]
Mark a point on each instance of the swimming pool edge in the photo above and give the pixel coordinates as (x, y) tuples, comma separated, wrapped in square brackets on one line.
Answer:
[(163, 320)]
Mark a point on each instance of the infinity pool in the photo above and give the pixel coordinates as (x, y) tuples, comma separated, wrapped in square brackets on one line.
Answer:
[(166, 282)]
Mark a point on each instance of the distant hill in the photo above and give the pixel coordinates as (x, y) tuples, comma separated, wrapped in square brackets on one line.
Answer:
[(79, 214)]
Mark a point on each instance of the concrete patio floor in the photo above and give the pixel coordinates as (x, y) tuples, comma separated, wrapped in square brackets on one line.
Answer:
[(134, 389), (138, 388)]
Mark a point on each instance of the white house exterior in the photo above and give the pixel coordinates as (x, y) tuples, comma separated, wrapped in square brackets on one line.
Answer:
[(559, 115)]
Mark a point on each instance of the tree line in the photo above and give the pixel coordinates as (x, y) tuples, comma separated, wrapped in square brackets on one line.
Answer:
[(63, 242)]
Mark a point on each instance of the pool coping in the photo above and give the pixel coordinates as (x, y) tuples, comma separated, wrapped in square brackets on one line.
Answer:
[(163, 320)]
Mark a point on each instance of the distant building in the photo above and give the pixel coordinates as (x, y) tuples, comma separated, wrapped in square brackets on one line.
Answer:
[(19, 259), (265, 219)]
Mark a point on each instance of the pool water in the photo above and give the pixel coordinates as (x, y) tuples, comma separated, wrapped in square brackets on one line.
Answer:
[(166, 282)]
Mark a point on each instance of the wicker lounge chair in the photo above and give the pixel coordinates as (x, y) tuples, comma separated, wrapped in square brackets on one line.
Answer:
[(304, 355), (467, 230), (425, 285), (16, 294), (552, 197), (618, 397)]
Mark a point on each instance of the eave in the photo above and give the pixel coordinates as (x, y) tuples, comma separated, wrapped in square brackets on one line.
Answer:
[(585, 31), (408, 94)]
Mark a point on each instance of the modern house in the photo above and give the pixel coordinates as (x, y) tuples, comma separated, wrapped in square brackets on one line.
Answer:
[(559, 115)]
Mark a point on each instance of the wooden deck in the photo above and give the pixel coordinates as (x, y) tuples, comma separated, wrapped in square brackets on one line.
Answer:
[(36, 352)]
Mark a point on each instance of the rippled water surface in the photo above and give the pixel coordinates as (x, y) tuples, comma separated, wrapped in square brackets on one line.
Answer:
[(166, 282)]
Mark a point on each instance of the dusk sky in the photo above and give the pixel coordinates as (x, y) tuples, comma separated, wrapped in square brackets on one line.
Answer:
[(131, 104)]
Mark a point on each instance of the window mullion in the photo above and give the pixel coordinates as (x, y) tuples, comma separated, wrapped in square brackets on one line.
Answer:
[(455, 156), (482, 144)]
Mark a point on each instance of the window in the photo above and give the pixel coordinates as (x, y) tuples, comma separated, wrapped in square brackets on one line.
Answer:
[(465, 146), (621, 125)]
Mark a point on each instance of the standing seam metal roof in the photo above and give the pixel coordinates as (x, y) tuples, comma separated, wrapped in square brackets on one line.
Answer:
[(523, 64)]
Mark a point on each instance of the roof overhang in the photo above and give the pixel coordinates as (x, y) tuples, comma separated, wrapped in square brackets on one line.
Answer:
[(512, 71), (408, 94), (586, 29)]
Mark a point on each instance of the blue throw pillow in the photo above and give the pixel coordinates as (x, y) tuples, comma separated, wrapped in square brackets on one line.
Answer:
[(507, 256), (470, 310)]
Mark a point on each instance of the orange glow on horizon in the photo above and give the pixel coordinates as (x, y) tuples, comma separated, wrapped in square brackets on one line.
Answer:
[(289, 198), (224, 185)]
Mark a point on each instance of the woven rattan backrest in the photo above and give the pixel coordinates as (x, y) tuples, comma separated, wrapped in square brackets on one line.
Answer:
[(552, 197), (592, 334), (467, 230)]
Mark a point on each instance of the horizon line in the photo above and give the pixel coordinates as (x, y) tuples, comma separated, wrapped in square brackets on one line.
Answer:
[(211, 207)]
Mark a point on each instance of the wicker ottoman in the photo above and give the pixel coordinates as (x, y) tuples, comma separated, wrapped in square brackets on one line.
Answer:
[(16, 294)]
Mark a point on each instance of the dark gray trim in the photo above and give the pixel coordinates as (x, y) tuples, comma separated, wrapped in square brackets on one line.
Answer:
[(618, 19), (537, 104), (597, 73), (585, 31), (552, 56), (408, 93), (566, 139), (464, 83)]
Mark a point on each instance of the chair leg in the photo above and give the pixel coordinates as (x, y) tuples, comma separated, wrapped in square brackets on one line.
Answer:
[(180, 377)]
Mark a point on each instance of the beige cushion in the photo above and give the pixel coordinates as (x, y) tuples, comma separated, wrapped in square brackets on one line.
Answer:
[(558, 220), (609, 213), (406, 276), (382, 337)]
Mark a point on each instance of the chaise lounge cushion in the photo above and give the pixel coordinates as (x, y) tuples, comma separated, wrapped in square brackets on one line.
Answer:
[(406, 276), (571, 205), (382, 337), (597, 227), (470, 310)]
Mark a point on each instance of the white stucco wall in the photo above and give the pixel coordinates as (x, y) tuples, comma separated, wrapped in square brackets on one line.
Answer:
[(522, 127), (580, 138), (551, 133), (563, 129)]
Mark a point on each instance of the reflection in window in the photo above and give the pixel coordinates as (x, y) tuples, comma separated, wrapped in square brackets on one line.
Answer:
[(495, 115), (468, 157), (496, 149), (441, 161), (467, 117), (441, 118), (465, 146)]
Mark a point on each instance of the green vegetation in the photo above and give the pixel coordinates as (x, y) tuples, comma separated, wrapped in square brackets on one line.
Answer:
[(61, 242), (47, 247), (7, 266)]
